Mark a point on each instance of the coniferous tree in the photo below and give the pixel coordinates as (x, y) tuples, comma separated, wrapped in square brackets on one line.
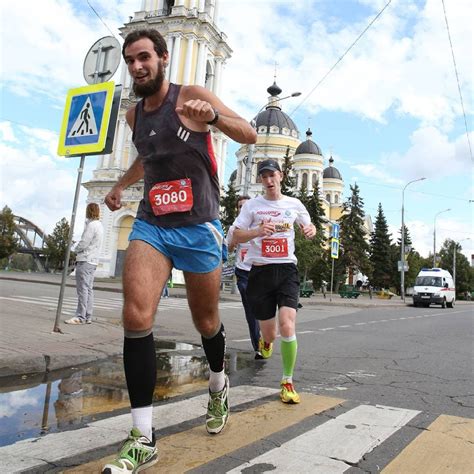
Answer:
[(8, 240), (354, 255), (315, 208), (310, 253), (228, 207), (464, 272), (288, 183), (56, 244), (380, 252), (412, 258)]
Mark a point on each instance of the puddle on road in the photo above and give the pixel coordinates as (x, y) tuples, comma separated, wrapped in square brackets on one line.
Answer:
[(35, 405)]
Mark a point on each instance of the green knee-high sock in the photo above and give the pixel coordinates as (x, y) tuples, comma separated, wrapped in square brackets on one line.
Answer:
[(289, 349)]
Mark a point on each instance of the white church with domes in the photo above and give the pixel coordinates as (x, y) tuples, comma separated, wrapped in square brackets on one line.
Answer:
[(278, 135)]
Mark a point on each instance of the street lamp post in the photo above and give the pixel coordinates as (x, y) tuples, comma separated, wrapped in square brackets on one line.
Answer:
[(251, 149), (402, 244), (434, 235)]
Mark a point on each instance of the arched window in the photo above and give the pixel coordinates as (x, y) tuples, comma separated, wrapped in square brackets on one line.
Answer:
[(314, 179), (305, 180), (328, 197), (336, 198)]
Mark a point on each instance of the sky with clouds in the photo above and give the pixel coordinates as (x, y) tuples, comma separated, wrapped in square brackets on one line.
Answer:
[(389, 112)]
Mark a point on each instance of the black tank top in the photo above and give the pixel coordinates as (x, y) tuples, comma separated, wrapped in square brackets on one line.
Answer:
[(170, 152)]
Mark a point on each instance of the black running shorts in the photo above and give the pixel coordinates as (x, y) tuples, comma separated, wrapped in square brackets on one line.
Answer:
[(271, 286)]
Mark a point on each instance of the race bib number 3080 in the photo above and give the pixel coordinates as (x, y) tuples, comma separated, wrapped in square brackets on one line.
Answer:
[(171, 196), (274, 248)]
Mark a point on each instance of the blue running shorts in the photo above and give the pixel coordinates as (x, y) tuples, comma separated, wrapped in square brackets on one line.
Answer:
[(195, 248)]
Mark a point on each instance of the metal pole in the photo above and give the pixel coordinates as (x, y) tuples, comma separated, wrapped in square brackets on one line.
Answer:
[(332, 279), (402, 249), (248, 169), (454, 264), (69, 242), (402, 244)]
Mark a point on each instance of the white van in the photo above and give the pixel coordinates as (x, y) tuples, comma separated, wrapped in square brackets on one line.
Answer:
[(434, 286)]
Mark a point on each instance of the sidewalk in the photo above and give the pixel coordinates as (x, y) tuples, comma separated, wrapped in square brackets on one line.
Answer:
[(28, 344)]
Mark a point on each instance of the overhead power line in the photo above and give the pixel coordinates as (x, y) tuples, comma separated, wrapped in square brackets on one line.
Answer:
[(457, 78), (341, 57), (99, 17)]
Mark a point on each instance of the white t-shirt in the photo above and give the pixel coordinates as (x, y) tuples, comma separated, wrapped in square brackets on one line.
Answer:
[(240, 251), (280, 246)]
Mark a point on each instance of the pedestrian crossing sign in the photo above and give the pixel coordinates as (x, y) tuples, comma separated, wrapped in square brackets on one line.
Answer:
[(86, 119), (334, 248)]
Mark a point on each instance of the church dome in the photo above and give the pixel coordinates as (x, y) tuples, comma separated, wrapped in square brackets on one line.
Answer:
[(308, 146), (331, 171), (273, 116)]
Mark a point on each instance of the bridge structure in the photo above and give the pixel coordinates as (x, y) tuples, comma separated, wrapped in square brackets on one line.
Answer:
[(32, 241)]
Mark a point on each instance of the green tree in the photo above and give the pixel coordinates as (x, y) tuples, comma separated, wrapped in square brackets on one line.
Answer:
[(307, 251), (412, 257), (320, 269), (464, 272), (354, 255), (56, 245), (288, 183), (8, 241), (229, 206), (380, 255)]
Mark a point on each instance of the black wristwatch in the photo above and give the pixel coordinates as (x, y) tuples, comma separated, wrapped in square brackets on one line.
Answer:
[(215, 119)]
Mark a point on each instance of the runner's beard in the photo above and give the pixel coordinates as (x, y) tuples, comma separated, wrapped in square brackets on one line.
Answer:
[(152, 86)]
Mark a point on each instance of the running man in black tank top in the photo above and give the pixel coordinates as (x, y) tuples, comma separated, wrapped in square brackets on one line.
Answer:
[(176, 226)]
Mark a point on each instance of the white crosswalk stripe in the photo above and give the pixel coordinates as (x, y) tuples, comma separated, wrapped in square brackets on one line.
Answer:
[(108, 304), (333, 446)]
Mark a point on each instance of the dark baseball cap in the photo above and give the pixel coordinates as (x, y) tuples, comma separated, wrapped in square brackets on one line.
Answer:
[(268, 165)]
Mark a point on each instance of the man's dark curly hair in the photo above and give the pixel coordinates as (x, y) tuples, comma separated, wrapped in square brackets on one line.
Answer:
[(158, 40)]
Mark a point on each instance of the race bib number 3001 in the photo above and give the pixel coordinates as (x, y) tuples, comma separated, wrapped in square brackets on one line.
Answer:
[(171, 196), (274, 248)]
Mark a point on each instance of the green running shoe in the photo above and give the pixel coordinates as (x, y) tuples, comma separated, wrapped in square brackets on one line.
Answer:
[(137, 453), (265, 348), (218, 409)]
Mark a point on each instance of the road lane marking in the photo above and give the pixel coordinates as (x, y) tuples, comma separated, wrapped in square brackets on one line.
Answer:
[(334, 446), (446, 446), (193, 448), (49, 449)]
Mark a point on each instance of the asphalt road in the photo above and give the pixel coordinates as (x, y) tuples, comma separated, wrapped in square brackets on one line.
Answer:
[(412, 358)]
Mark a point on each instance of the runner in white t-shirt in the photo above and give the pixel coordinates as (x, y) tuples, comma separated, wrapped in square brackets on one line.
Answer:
[(242, 270), (267, 222)]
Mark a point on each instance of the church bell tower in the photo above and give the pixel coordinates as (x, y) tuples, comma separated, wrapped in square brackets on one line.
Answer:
[(198, 51)]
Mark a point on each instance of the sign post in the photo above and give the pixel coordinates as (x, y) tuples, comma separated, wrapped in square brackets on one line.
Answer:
[(88, 126), (334, 252)]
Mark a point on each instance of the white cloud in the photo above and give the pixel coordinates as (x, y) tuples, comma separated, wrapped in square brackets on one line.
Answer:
[(12, 402), (402, 63), (421, 234), (6, 132), (36, 184)]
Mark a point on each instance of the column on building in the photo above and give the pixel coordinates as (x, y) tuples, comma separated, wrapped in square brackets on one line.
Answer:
[(169, 44), (216, 87), (200, 77), (202, 6), (212, 8), (188, 64), (175, 58)]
